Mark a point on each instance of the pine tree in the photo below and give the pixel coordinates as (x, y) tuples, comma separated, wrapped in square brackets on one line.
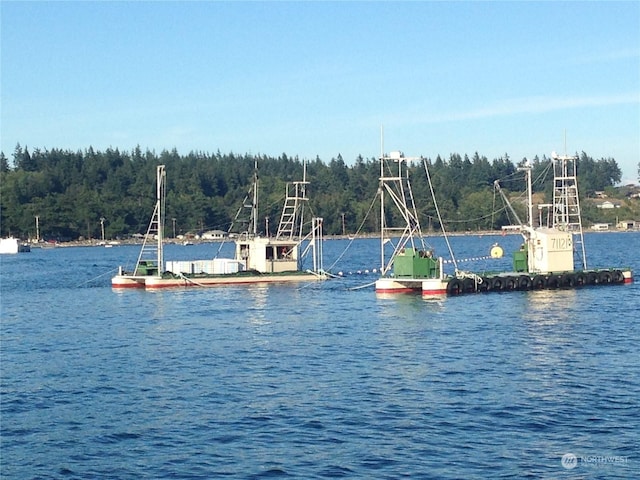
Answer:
[(4, 163)]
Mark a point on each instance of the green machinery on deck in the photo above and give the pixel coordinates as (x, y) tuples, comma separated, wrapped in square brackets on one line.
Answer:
[(146, 267), (520, 260), (412, 263)]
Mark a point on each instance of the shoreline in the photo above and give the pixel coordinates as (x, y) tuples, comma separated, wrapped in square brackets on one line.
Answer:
[(117, 243)]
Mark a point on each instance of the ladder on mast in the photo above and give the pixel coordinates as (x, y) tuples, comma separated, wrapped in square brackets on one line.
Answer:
[(151, 252), (291, 219), (566, 202)]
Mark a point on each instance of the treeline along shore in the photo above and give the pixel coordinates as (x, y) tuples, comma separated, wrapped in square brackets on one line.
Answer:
[(69, 195)]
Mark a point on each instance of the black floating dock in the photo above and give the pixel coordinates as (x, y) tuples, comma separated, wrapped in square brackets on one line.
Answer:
[(523, 281)]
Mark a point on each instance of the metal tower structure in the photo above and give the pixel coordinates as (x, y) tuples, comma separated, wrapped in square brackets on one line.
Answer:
[(151, 253), (292, 217), (395, 184), (566, 202)]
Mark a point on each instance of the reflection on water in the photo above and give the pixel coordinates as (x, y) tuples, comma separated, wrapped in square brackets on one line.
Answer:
[(258, 296), (434, 301), (397, 303), (406, 297), (551, 306)]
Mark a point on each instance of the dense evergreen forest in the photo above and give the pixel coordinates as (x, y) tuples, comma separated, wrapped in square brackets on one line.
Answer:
[(76, 193)]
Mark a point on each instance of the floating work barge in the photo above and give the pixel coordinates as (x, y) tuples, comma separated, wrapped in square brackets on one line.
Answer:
[(257, 259), (547, 258)]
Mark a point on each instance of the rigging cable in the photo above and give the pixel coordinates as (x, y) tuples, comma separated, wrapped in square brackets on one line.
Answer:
[(362, 286), (375, 198), (113, 270), (433, 195)]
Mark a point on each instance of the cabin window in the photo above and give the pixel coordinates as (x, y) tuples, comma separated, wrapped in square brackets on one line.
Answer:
[(270, 253), (285, 251)]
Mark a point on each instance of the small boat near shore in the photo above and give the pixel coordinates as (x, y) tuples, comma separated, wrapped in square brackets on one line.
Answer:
[(552, 255), (11, 245), (257, 259)]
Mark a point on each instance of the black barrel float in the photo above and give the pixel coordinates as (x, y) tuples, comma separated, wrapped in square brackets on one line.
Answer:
[(553, 281), (454, 287), (510, 283), (497, 283), (568, 280), (539, 282), (618, 277), (469, 285), (524, 282), (605, 277), (484, 284), (581, 279)]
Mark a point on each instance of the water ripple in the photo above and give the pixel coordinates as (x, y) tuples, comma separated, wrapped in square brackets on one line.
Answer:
[(316, 382)]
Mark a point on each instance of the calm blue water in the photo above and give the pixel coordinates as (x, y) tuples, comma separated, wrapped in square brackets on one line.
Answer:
[(315, 381)]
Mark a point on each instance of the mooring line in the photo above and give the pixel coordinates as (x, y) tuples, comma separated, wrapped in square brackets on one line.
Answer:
[(96, 278)]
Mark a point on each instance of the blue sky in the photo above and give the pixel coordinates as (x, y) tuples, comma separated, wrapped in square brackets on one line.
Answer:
[(320, 78)]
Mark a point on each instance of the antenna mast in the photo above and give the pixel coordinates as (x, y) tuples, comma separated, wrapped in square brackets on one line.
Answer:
[(381, 189), (254, 212)]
